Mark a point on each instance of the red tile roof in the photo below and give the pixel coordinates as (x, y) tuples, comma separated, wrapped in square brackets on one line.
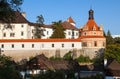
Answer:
[(70, 20), (91, 24), (40, 40), (67, 25)]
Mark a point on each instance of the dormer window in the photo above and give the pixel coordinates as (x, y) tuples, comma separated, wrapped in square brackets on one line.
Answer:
[(94, 28)]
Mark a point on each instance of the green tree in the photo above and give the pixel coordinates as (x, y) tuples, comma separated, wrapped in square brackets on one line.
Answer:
[(109, 39), (8, 8), (8, 68), (83, 59), (68, 56), (113, 51), (38, 30), (58, 30), (117, 40)]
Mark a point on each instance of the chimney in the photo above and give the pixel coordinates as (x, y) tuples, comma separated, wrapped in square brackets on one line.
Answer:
[(23, 14)]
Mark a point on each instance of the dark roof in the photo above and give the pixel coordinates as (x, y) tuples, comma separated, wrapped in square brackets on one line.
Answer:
[(113, 68), (70, 20), (113, 65), (44, 63), (18, 18)]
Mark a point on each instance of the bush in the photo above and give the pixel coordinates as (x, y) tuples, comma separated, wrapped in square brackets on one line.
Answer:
[(82, 58), (55, 58), (68, 56)]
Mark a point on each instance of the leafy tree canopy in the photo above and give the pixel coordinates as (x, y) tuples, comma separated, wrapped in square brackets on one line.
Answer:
[(58, 30), (113, 51)]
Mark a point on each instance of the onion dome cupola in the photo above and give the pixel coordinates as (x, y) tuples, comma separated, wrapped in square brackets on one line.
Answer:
[(91, 14)]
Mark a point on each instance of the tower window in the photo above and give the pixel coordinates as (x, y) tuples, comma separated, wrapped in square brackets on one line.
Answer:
[(103, 43), (85, 33), (95, 43), (84, 44)]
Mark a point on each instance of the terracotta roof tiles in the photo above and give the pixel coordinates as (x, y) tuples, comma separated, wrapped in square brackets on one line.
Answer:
[(91, 24), (40, 40), (70, 20)]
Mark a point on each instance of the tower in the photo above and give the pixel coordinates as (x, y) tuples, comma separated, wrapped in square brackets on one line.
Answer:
[(92, 37)]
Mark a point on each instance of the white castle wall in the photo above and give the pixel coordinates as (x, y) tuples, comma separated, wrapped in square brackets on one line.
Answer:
[(20, 50)]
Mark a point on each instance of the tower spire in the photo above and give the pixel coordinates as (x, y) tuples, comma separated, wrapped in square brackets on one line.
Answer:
[(91, 14)]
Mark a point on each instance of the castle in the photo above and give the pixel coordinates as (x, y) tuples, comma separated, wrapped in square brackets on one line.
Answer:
[(19, 42)]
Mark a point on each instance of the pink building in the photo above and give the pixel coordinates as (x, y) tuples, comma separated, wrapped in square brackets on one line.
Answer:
[(92, 37)]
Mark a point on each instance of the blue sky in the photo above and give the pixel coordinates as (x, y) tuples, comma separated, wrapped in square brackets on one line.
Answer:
[(106, 12)]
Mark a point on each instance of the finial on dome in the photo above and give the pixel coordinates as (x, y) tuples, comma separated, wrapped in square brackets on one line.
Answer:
[(91, 13)]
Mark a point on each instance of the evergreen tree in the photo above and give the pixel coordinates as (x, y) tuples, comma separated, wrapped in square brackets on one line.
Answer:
[(38, 30), (109, 39), (58, 30)]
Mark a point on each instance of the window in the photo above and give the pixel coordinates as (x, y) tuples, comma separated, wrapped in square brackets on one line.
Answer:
[(69, 33), (22, 45), (4, 34), (62, 45), (32, 30), (94, 33), (52, 45), (85, 33), (104, 44), (22, 26), (76, 34), (72, 45), (73, 33), (42, 45), (22, 33), (12, 34), (2, 46), (12, 45), (32, 45), (47, 32), (84, 44), (95, 43)]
